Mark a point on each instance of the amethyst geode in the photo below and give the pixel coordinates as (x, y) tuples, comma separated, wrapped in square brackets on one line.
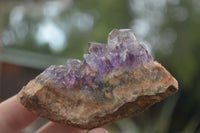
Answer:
[(113, 82)]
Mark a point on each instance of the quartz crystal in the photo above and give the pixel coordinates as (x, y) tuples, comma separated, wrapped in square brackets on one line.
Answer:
[(116, 80), (122, 52)]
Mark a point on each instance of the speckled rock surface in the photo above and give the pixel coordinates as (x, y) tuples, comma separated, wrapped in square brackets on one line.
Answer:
[(114, 81)]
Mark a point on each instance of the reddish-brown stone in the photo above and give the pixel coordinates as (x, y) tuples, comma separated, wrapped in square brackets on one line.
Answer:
[(122, 94)]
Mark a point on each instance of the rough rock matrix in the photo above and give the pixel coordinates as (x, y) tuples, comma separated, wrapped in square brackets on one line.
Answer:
[(114, 81)]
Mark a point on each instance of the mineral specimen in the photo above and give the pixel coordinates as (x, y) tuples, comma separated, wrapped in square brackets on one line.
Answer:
[(114, 81)]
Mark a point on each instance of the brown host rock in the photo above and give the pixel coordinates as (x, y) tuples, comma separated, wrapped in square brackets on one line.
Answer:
[(113, 82)]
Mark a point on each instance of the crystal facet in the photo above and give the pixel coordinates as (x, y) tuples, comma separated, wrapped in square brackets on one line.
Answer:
[(97, 49)]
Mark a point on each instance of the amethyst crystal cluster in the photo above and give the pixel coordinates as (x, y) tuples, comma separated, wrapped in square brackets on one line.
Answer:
[(123, 52), (114, 81)]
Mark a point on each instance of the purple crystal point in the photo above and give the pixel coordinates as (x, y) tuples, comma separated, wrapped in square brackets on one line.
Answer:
[(93, 61), (125, 50), (121, 37), (73, 73), (98, 64)]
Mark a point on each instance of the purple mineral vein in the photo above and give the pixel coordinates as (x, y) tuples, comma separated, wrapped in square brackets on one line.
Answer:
[(122, 51)]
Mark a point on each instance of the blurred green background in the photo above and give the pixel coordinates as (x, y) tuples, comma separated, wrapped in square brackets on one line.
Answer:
[(35, 34)]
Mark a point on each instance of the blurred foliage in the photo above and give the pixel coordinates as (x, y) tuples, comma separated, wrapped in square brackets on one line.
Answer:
[(171, 27), (69, 20)]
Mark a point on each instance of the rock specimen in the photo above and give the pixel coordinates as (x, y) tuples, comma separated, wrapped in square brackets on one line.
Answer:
[(114, 81)]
